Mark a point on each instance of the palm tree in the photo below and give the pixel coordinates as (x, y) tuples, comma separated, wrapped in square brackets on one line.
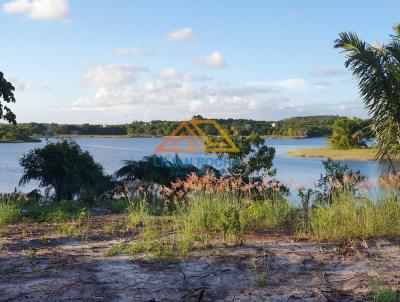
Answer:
[(348, 133), (377, 71), (155, 168)]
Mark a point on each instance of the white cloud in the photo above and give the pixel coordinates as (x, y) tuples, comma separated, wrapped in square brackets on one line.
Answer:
[(164, 92), (168, 73), (293, 84), (193, 77), (21, 85), (182, 34), (113, 74), (38, 9), (127, 52), (325, 72), (171, 74), (173, 96), (214, 60)]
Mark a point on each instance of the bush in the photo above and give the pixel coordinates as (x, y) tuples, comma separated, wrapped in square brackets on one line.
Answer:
[(349, 133), (61, 211), (208, 219), (64, 168), (116, 205), (350, 217), (10, 212)]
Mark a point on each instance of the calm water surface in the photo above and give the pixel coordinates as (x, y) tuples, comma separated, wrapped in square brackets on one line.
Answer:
[(111, 151)]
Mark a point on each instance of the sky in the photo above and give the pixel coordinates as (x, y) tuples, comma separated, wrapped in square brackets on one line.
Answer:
[(116, 61)]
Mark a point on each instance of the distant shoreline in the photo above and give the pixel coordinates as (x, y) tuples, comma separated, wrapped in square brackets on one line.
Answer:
[(157, 136), (348, 154), (39, 139), (31, 140)]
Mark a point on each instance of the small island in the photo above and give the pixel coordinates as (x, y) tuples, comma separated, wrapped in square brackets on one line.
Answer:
[(350, 140), (15, 134), (336, 154)]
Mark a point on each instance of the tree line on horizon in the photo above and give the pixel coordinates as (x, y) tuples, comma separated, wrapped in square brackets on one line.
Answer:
[(308, 126)]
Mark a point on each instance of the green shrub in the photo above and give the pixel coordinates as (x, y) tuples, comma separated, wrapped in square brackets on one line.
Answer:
[(116, 205), (261, 215), (69, 229), (55, 212), (350, 218), (207, 219), (10, 212)]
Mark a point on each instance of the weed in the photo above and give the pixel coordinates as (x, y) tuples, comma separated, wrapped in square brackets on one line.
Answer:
[(45, 240), (355, 218), (109, 229), (69, 229), (387, 295), (116, 249), (381, 292), (10, 212), (116, 205), (3, 233), (32, 254)]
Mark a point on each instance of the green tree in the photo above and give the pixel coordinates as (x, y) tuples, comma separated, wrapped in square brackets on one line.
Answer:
[(348, 134), (253, 159), (7, 94), (155, 169), (377, 70), (66, 169), (337, 178)]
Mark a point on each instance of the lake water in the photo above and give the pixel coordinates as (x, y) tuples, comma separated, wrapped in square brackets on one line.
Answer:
[(110, 152)]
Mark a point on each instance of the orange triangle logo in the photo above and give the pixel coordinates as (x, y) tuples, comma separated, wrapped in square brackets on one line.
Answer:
[(182, 132)]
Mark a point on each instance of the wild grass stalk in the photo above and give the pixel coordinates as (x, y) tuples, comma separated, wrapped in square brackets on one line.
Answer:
[(10, 212), (350, 217)]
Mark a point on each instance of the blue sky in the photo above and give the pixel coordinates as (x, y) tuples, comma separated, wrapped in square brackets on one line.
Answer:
[(117, 61)]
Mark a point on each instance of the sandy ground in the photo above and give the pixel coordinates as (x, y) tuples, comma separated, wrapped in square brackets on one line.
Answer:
[(36, 266)]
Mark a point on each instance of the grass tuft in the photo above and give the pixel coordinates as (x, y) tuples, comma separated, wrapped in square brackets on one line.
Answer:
[(350, 217)]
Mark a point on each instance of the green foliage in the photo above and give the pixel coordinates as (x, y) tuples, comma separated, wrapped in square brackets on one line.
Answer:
[(337, 178), (10, 212), (7, 94), (69, 229), (349, 217), (155, 168), (307, 126), (60, 211), (14, 133), (377, 70), (201, 223), (387, 295), (349, 134), (253, 159), (116, 205), (208, 219), (14, 210), (67, 170)]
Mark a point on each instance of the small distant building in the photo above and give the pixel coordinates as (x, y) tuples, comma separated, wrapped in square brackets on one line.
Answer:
[(273, 125)]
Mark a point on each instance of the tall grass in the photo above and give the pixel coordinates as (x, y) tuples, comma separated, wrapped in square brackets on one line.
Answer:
[(350, 217), (60, 211), (204, 221), (10, 212), (208, 219), (14, 210)]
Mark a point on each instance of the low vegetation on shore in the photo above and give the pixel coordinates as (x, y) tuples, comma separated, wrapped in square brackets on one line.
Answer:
[(349, 141), (296, 127), (336, 154)]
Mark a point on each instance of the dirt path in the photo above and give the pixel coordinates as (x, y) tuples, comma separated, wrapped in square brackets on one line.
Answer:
[(267, 268)]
